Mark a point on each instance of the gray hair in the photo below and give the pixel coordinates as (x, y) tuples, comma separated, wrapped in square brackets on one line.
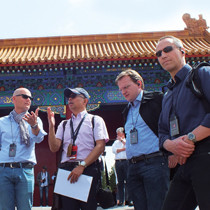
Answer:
[(176, 41), (19, 91), (120, 130)]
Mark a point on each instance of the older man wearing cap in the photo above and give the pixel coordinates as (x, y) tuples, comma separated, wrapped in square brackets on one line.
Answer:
[(83, 142)]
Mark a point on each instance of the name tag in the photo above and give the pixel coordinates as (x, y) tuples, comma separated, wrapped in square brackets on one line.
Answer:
[(69, 150), (133, 136), (174, 125), (12, 150), (73, 152)]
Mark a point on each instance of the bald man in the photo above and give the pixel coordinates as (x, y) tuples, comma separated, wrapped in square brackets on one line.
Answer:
[(19, 131)]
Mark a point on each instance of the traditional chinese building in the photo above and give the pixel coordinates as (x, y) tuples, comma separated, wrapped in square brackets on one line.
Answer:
[(47, 65)]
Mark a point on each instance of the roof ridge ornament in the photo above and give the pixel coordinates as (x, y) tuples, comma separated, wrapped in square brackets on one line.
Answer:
[(195, 27)]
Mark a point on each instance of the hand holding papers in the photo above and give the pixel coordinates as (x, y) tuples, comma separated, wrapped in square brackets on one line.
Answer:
[(78, 190)]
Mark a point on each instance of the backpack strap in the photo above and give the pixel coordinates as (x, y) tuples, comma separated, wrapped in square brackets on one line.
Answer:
[(93, 125), (194, 83)]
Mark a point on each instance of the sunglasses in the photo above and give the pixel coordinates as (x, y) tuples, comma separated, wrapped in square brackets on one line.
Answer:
[(165, 50), (73, 95), (25, 96)]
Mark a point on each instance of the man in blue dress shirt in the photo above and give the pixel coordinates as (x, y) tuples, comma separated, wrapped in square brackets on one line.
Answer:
[(148, 172), (19, 131)]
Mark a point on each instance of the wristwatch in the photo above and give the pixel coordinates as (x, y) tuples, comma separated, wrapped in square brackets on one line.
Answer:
[(83, 163), (191, 137), (34, 126)]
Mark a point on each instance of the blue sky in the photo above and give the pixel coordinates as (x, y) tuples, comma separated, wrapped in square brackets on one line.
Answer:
[(44, 18)]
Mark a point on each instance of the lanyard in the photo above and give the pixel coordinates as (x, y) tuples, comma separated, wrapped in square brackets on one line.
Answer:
[(75, 133), (131, 108)]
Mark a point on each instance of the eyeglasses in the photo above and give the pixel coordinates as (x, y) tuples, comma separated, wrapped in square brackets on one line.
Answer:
[(73, 95), (165, 50), (124, 88), (25, 96)]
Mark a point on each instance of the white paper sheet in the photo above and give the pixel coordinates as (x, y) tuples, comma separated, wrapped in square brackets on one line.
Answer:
[(79, 190)]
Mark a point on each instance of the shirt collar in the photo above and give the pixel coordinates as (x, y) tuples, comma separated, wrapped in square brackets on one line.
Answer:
[(137, 100), (181, 75), (80, 115)]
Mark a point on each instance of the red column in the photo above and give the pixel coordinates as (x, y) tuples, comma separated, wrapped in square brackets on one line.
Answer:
[(68, 112)]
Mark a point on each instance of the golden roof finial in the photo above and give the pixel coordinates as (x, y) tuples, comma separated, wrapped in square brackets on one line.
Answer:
[(195, 27)]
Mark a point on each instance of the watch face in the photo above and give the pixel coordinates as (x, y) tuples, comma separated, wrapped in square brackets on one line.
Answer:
[(191, 136), (83, 163)]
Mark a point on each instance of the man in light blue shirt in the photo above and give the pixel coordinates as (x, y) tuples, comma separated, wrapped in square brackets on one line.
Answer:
[(19, 131), (148, 172)]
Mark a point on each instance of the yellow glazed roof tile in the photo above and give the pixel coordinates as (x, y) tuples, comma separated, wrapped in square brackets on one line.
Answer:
[(96, 47)]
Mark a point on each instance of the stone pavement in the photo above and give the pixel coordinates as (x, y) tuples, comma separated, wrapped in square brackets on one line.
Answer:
[(99, 208)]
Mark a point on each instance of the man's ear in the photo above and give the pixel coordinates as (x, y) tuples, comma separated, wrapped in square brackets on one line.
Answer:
[(139, 83), (182, 50), (13, 99), (86, 101)]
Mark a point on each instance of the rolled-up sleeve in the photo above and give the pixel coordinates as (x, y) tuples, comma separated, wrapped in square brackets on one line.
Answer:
[(39, 138), (100, 130)]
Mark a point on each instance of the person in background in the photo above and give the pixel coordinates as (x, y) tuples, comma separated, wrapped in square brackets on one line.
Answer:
[(121, 167), (148, 172), (19, 132), (184, 129), (83, 143), (43, 179)]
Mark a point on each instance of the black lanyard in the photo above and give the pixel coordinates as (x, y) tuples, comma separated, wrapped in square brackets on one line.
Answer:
[(75, 133)]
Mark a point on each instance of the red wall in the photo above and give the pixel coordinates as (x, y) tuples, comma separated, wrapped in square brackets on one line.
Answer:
[(45, 158)]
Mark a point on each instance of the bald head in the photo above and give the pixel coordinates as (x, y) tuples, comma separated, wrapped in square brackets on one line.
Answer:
[(21, 91)]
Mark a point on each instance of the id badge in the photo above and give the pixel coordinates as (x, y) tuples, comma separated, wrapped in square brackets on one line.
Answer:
[(174, 125), (133, 136), (73, 152), (69, 149), (12, 150)]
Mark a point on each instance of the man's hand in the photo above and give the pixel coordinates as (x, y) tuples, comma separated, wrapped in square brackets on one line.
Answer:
[(172, 161), (75, 174), (185, 139), (182, 160), (31, 118), (51, 117), (179, 146)]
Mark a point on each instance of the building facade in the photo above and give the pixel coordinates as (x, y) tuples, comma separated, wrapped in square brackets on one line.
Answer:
[(47, 65)]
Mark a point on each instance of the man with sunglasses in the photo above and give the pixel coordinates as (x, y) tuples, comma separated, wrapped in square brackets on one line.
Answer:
[(19, 131), (148, 173), (184, 130), (83, 141)]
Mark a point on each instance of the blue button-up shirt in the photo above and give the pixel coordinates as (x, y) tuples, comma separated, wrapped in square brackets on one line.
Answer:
[(147, 141), (10, 133), (188, 108)]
